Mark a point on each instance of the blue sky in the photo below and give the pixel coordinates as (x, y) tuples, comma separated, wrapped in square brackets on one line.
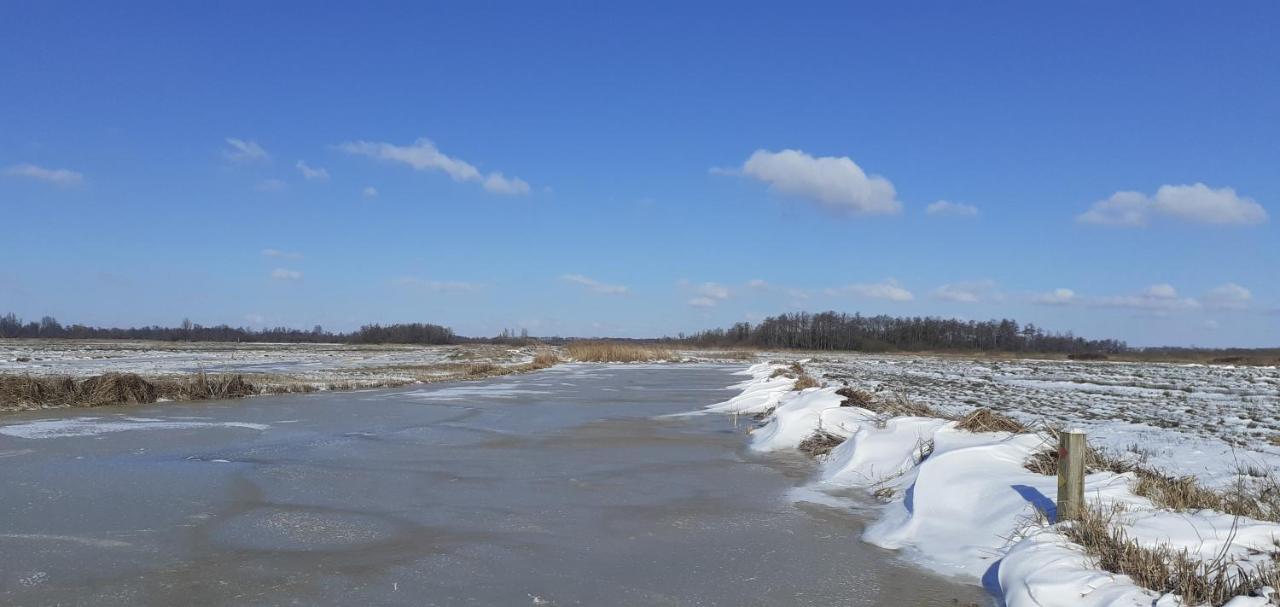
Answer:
[(598, 169)]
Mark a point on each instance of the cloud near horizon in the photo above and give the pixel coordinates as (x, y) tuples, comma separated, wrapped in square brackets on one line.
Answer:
[(594, 286), (967, 292), (708, 295), (1196, 203), (888, 289), (423, 155), (1161, 297), (835, 184), (61, 177), (285, 274)]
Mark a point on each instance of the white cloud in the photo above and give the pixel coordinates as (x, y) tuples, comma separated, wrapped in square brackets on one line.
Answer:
[(369, 192), (1160, 297), (594, 286), (757, 283), (965, 292), (709, 294), (951, 209), (889, 289), (1196, 203), (310, 172), (500, 184), (1229, 296), (62, 177), (1056, 297), (447, 286), (271, 185), (278, 254), (240, 150), (424, 156), (834, 183), (285, 274)]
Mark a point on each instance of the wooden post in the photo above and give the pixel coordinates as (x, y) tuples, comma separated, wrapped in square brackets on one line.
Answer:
[(1071, 449)]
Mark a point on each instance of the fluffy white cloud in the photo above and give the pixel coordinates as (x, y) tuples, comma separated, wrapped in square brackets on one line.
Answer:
[(369, 192), (423, 155), (310, 172), (278, 254), (709, 294), (1162, 297), (1229, 296), (1056, 297), (889, 289), (444, 286), (757, 283), (834, 183), (594, 286), (1196, 203), (240, 150), (285, 274), (965, 292), (951, 209), (63, 177)]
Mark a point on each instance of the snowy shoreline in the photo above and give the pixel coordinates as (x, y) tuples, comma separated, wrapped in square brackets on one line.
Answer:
[(962, 503)]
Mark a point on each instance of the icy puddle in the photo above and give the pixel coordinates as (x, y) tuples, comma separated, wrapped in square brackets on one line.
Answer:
[(556, 488)]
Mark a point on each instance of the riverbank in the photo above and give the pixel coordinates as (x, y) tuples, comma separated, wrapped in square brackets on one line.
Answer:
[(965, 501)]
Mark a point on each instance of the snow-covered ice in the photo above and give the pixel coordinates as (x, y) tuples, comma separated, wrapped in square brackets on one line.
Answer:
[(963, 503)]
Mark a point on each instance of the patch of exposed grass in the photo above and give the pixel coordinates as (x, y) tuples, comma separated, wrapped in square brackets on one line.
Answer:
[(1162, 568), (854, 397), (820, 443), (616, 352), (806, 381), (983, 419)]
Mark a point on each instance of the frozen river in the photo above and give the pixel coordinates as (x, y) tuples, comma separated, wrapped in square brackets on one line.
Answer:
[(562, 487)]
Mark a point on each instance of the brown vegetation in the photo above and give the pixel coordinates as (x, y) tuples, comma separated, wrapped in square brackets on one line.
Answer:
[(820, 443), (616, 352), (983, 419), (1162, 568)]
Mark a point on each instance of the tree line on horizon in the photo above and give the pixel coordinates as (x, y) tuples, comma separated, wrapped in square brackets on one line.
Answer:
[(801, 330), (883, 333), (407, 333)]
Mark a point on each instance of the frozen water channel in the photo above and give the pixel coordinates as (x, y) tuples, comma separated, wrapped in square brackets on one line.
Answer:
[(557, 488)]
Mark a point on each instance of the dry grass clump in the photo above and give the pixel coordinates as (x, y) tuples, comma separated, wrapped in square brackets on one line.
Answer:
[(481, 370), (730, 355), (116, 389), (854, 397), (544, 360), (204, 387), (805, 381), (820, 443), (1259, 499), (898, 405), (1162, 568), (615, 352), (983, 419)]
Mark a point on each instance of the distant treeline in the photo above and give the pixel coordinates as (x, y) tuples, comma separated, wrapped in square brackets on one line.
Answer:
[(50, 328), (838, 331), (824, 331)]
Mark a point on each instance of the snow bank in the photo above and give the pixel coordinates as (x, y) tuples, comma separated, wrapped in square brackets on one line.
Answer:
[(759, 394), (963, 503)]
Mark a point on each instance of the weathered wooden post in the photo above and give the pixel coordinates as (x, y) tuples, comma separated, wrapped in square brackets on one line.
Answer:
[(1071, 449)]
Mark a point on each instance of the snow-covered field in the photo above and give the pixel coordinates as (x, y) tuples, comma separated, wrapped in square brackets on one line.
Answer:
[(84, 358), (964, 504), (1197, 419)]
